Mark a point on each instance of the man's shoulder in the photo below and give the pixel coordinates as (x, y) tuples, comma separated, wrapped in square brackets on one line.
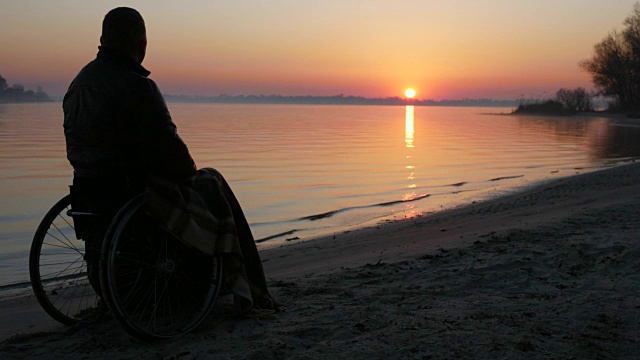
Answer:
[(104, 68), (104, 75)]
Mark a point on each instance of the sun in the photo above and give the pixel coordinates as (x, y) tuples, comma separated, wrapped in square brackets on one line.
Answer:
[(410, 93)]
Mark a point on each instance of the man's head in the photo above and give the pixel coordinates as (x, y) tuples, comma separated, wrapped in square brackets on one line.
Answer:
[(123, 31)]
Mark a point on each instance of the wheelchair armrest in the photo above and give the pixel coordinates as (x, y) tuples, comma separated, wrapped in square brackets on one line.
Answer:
[(81, 213)]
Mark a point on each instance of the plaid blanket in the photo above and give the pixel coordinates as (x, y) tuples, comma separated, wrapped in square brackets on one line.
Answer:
[(200, 213)]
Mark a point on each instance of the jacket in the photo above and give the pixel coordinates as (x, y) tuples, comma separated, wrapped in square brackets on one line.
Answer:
[(116, 123)]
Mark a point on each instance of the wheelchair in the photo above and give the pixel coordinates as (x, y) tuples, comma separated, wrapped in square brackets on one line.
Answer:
[(154, 285)]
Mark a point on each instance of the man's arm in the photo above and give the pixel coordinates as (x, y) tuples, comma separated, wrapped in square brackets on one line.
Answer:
[(167, 154)]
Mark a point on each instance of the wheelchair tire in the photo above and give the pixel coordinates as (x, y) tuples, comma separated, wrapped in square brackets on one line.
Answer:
[(57, 268), (154, 285)]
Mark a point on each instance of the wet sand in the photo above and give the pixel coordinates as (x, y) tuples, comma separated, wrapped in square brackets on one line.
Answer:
[(549, 272)]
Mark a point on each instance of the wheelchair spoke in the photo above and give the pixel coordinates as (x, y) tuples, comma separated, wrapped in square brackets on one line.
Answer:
[(136, 261), (66, 268), (58, 263), (65, 219), (148, 249), (155, 303), (147, 296), (68, 241), (58, 274), (70, 295), (64, 246), (142, 298), (72, 287)]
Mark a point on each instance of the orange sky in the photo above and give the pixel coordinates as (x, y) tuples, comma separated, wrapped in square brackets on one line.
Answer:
[(444, 49)]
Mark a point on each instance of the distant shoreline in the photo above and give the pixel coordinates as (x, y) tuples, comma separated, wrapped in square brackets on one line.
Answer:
[(3, 102), (335, 100), (306, 100)]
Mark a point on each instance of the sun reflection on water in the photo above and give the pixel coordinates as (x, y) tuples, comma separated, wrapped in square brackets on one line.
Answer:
[(409, 131)]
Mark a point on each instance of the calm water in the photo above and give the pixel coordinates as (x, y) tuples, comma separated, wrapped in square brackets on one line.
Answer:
[(301, 171)]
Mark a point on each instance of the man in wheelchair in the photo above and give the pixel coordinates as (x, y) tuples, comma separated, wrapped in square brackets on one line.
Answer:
[(121, 141)]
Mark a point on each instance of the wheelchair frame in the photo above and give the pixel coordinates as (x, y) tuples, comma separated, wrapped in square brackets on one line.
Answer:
[(153, 284)]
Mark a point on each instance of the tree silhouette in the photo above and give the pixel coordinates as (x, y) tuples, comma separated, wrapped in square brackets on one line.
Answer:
[(615, 64), (3, 84), (16, 93), (575, 100)]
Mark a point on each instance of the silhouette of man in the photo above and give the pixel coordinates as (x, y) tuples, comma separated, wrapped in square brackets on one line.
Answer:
[(118, 132), (117, 125)]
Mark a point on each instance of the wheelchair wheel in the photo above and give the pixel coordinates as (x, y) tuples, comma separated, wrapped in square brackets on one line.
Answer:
[(155, 286), (57, 267)]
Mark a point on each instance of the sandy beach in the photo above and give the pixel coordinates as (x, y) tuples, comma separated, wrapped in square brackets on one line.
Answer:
[(549, 272)]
